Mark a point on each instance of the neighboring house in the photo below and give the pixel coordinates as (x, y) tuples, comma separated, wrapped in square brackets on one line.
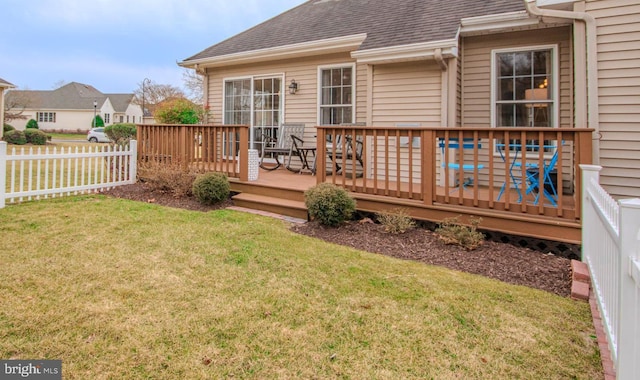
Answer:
[(72, 107), (4, 85), (458, 63)]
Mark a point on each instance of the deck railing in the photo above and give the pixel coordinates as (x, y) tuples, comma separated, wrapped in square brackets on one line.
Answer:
[(207, 147), (504, 167), (610, 247)]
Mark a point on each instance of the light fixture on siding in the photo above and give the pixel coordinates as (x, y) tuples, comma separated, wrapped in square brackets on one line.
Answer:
[(293, 87)]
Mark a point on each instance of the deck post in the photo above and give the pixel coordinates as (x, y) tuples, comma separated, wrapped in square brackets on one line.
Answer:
[(244, 153), (428, 179), (321, 155)]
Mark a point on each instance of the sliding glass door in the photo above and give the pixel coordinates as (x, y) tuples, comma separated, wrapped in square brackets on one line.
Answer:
[(257, 102)]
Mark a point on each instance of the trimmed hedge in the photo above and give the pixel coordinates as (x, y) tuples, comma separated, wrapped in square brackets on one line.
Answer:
[(15, 137), (211, 188), (121, 133), (35, 136), (329, 204), (32, 124)]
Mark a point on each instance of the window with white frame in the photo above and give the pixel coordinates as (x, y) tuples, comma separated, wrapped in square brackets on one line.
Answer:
[(524, 87), (336, 95), (107, 118), (46, 117)]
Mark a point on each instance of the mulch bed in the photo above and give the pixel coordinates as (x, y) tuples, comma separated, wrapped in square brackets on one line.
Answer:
[(505, 262)]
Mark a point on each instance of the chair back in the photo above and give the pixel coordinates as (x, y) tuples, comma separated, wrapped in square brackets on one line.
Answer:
[(454, 143), (286, 131)]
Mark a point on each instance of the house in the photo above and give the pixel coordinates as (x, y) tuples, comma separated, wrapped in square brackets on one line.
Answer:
[(434, 63), (72, 107), (4, 85)]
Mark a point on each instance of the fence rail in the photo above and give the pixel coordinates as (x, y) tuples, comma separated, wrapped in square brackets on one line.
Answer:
[(29, 173), (611, 249)]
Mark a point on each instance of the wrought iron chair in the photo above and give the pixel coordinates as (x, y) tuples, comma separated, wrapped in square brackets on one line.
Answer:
[(282, 147)]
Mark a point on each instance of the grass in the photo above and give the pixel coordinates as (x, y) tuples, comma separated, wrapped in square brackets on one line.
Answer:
[(68, 136), (127, 290)]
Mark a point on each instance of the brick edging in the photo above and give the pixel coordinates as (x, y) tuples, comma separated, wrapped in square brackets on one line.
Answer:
[(580, 289)]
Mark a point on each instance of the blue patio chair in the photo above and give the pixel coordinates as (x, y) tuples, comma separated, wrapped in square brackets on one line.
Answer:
[(467, 143)]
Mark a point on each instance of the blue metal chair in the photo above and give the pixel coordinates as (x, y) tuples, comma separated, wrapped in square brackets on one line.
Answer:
[(454, 143)]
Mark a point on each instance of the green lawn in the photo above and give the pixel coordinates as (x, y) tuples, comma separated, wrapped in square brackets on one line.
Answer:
[(127, 290)]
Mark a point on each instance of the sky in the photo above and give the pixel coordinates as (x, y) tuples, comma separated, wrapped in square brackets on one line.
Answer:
[(114, 45)]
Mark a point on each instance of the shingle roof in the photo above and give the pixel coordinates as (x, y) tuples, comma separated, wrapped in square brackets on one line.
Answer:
[(4, 83), (73, 96), (386, 23)]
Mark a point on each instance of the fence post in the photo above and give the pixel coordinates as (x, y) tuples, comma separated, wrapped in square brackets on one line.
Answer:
[(133, 161), (3, 172), (629, 282), (589, 172)]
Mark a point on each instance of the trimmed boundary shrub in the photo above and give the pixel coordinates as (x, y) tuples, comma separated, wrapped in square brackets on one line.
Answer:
[(35, 136), (15, 137)]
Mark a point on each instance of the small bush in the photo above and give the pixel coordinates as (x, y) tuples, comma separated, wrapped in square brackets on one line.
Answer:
[(329, 204), (167, 177), (395, 221), (211, 188), (121, 133), (35, 136), (8, 127), (32, 124), (451, 231), (15, 137), (97, 122)]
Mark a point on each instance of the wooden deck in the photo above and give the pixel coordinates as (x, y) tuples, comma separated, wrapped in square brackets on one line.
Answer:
[(414, 168), (282, 191)]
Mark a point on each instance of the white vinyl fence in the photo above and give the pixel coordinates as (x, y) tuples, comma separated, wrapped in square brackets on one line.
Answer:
[(28, 173), (611, 249)]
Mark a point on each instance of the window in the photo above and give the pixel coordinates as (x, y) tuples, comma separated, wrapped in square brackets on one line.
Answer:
[(524, 89), (46, 117), (237, 102), (107, 118), (525, 85), (336, 95), (122, 118)]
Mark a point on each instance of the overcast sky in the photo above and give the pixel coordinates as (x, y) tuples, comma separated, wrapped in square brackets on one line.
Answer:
[(114, 44)]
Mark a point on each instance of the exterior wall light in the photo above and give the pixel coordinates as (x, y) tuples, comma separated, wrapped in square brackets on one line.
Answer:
[(293, 87)]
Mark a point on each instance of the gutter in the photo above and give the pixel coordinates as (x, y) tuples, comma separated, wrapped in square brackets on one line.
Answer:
[(592, 65)]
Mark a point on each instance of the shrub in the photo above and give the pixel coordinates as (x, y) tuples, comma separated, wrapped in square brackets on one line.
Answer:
[(32, 124), (211, 188), (15, 137), (167, 177), (122, 133), (395, 221), (8, 127), (35, 136), (179, 111), (451, 231), (97, 122), (329, 204)]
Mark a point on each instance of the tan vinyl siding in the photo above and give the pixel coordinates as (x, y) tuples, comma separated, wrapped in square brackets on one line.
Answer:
[(406, 93), (299, 108), (618, 38), (476, 79)]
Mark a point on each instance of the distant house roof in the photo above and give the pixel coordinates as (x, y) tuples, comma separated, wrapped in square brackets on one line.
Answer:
[(5, 84), (73, 96), (385, 23)]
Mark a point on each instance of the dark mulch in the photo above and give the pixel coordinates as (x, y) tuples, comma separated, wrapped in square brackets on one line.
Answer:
[(505, 262)]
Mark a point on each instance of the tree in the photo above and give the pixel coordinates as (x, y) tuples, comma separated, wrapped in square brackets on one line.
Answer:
[(97, 122), (59, 84), (178, 111), (194, 83), (15, 104), (155, 94)]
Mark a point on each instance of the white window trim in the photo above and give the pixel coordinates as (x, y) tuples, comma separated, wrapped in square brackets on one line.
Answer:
[(555, 80), (352, 65)]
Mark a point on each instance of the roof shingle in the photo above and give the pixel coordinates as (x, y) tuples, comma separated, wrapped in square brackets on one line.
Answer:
[(385, 22)]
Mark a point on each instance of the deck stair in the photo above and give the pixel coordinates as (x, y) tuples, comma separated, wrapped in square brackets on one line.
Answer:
[(289, 202)]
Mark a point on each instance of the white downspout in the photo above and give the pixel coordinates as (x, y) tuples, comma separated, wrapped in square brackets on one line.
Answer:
[(592, 65)]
